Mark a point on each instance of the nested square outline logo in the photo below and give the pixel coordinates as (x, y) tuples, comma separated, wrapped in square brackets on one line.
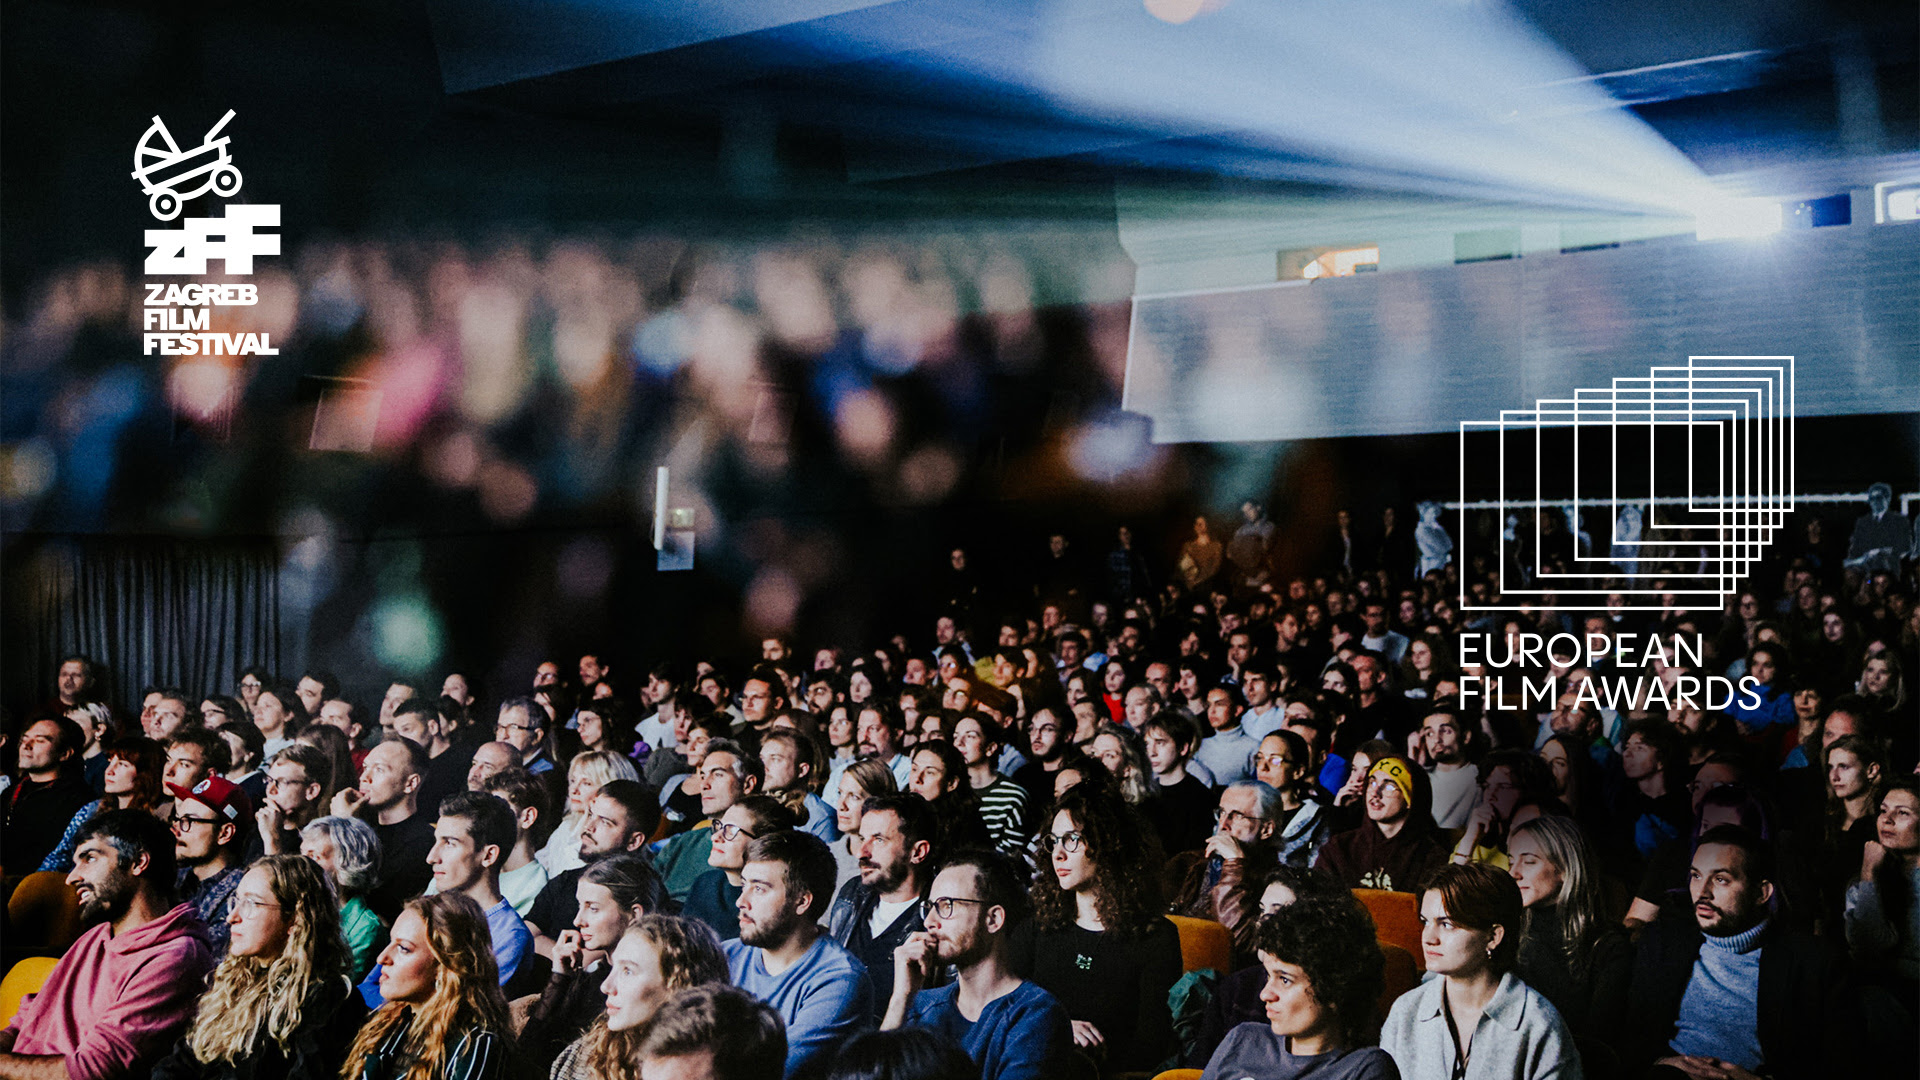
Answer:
[(1692, 542)]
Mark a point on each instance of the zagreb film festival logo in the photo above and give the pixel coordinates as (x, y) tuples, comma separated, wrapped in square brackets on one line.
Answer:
[(170, 177), (1659, 489)]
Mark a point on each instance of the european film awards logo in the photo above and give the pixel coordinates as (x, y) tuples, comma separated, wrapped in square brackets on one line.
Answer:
[(1689, 469), (177, 319)]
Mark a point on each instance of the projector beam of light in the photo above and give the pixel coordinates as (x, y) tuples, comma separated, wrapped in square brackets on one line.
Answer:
[(1462, 93), (1733, 219)]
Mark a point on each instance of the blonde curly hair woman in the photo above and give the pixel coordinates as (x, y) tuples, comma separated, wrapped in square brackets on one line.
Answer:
[(280, 1004)]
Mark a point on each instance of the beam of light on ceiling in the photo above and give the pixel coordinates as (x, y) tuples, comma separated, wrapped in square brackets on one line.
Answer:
[(1462, 93)]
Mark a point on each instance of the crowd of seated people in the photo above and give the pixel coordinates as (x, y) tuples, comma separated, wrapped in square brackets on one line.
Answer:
[(989, 851)]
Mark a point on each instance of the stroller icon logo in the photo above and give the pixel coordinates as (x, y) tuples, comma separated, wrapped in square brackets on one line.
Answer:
[(169, 176)]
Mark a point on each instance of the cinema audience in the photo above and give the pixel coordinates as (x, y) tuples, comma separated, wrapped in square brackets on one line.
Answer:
[(1732, 847)]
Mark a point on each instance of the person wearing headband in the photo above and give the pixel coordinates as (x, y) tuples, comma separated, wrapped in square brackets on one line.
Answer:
[(1394, 847)]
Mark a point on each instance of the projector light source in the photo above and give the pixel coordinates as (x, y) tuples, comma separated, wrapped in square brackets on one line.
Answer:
[(1896, 200), (1733, 219)]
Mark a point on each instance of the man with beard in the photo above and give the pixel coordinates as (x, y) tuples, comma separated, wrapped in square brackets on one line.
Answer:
[(879, 910), (620, 817), (1048, 746), (785, 958), (1732, 993), (210, 823), (1011, 1028), (126, 989), (877, 728)]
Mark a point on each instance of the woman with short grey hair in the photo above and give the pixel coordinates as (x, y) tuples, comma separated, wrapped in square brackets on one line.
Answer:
[(347, 849)]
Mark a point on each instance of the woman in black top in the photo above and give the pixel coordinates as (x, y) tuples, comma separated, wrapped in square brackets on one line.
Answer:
[(1097, 941), (1570, 951), (614, 893), (445, 1018), (280, 1005)]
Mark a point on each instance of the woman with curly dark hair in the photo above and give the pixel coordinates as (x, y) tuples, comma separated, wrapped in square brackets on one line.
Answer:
[(1324, 971), (1097, 941)]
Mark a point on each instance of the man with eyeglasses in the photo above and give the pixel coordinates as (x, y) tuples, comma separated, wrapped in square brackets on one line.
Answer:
[(522, 724), (209, 842), (1393, 848), (879, 910), (293, 797), (1013, 1029), (1215, 883)]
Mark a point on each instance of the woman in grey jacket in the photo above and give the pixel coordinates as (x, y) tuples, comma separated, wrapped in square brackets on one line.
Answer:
[(1473, 1019)]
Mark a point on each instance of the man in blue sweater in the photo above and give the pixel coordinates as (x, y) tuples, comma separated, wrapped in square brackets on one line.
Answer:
[(1012, 1028), (784, 957), (1733, 994)]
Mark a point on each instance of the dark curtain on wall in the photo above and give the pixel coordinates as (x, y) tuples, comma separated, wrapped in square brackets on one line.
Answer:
[(150, 611)]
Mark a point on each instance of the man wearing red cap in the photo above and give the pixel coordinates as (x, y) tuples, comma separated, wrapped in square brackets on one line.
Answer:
[(209, 842)]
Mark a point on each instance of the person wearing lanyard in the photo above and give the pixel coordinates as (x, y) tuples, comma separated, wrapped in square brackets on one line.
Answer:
[(1473, 1019)]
